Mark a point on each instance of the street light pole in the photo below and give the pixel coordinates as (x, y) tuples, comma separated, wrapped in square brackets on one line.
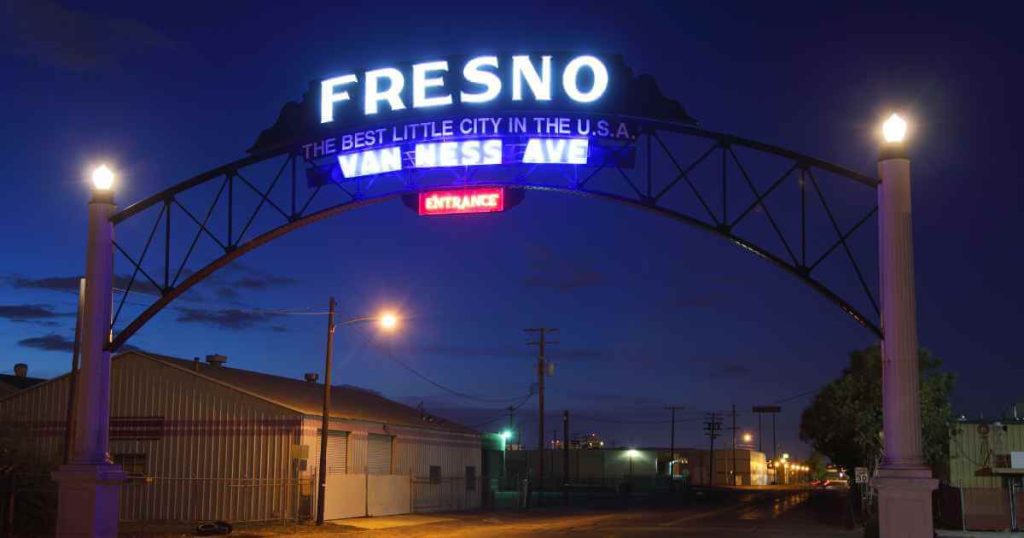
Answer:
[(89, 486), (325, 421), (904, 481)]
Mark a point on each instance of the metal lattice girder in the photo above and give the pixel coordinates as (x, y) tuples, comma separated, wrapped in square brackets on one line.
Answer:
[(678, 172)]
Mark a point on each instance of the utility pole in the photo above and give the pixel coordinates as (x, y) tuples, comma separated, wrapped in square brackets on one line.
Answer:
[(69, 425), (565, 457), (325, 422), (672, 440), (541, 341), (711, 429), (733, 479), (772, 410), (760, 435), (511, 421)]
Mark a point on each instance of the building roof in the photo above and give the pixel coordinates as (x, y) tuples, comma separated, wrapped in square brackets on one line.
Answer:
[(347, 402), (19, 382)]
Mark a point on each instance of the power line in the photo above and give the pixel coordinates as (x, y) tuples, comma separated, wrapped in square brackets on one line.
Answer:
[(454, 392)]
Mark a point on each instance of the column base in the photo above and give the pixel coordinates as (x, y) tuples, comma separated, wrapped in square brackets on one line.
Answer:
[(905, 502), (89, 499)]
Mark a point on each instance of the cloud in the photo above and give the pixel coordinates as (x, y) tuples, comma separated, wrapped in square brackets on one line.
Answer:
[(549, 270), (49, 342), (53, 283), (615, 398), (74, 39), (70, 283), (230, 318), (262, 282), (732, 370), (503, 352), (28, 312)]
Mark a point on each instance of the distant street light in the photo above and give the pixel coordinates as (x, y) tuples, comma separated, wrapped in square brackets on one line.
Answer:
[(386, 321), (747, 438)]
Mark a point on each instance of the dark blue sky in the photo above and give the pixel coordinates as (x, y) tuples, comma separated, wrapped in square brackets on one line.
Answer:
[(651, 312)]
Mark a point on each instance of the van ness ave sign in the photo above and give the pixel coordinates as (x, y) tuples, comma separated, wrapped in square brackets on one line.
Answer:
[(462, 201)]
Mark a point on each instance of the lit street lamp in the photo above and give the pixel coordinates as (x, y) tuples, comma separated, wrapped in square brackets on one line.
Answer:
[(894, 130), (747, 438), (903, 481), (386, 321), (89, 485)]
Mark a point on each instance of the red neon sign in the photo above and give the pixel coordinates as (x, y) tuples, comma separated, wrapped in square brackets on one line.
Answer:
[(462, 201)]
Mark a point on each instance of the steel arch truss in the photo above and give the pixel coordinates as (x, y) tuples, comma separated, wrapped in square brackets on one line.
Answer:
[(800, 213)]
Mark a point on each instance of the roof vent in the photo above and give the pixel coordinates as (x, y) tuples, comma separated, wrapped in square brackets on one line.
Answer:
[(312, 377), (21, 369), (216, 359)]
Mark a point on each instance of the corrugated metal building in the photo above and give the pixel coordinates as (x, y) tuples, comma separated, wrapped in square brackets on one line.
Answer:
[(203, 441), (975, 451), (20, 380)]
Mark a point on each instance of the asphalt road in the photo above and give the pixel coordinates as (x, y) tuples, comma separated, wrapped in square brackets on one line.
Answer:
[(774, 513)]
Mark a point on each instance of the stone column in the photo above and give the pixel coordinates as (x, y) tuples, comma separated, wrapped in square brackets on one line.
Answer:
[(89, 486), (904, 482)]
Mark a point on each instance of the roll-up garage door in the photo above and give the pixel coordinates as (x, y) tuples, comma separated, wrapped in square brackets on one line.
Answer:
[(378, 454), (337, 452)]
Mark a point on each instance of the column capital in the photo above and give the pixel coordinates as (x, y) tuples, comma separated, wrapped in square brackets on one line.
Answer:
[(893, 150)]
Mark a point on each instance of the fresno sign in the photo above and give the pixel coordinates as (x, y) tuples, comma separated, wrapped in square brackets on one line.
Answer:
[(462, 201), (583, 79)]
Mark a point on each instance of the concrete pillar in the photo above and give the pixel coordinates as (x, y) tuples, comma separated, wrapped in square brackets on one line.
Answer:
[(904, 482), (89, 486)]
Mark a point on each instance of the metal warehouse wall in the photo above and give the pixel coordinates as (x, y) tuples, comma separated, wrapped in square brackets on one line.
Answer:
[(413, 452), (205, 451), (970, 450)]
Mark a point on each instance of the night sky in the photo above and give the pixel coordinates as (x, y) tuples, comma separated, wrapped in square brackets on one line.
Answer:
[(651, 312)]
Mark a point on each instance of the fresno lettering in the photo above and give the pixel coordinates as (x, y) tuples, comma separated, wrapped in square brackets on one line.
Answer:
[(583, 79)]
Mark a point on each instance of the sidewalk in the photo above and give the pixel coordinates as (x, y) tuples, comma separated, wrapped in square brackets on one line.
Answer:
[(983, 534)]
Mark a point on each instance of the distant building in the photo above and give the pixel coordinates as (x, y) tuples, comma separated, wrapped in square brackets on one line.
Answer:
[(642, 466), (10, 384), (202, 441)]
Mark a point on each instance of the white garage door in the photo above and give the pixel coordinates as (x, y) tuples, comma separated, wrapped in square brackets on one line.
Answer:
[(378, 454)]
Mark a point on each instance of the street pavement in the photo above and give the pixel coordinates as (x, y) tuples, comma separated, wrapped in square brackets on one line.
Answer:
[(772, 513)]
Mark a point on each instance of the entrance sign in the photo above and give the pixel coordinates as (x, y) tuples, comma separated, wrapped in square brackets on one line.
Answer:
[(462, 201)]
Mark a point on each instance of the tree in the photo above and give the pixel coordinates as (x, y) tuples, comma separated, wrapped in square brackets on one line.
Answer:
[(817, 464), (844, 422)]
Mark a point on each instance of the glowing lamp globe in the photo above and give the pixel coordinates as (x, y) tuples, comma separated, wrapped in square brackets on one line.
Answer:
[(894, 129), (388, 321), (102, 178)]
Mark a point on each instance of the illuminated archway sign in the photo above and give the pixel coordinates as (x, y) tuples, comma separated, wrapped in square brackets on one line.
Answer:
[(522, 122)]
